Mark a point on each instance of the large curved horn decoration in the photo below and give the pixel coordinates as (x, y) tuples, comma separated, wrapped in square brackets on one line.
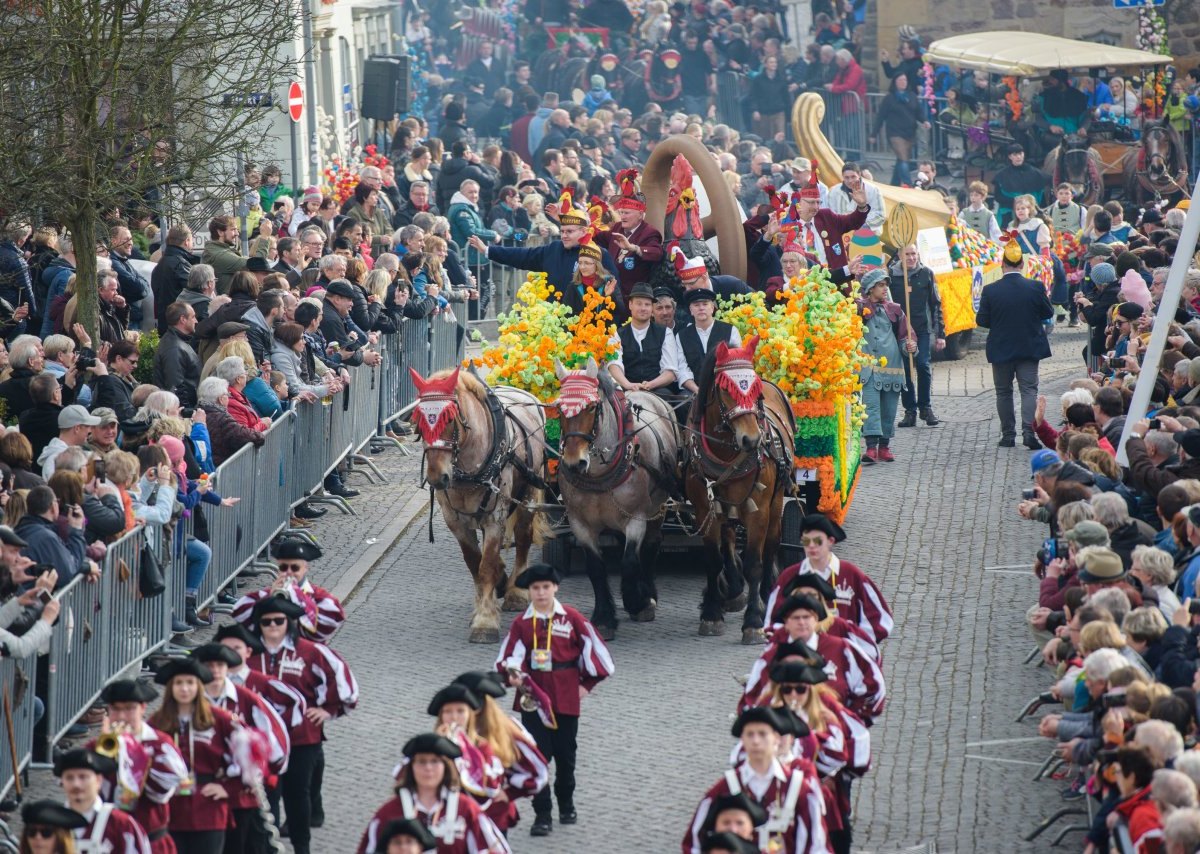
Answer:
[(724, 220), (807, 112)]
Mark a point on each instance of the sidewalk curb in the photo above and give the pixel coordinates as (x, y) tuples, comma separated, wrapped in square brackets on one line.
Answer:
[(416, 506)]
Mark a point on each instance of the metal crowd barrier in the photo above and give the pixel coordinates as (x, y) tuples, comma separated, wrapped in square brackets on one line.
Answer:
[(17, 681), (106, 628)]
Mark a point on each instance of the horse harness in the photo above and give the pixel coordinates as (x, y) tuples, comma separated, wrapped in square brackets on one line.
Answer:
[(499, 455), (579, 392)]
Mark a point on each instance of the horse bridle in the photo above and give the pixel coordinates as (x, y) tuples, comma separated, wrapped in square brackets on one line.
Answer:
[(597, 407)]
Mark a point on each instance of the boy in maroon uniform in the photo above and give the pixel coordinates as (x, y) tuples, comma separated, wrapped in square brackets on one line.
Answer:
[(108, 828), (553, 646)]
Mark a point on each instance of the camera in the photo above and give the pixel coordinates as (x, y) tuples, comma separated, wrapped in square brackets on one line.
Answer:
[(1029, 494), (100, 469), (1114, 701), (520, 235), (86, 359), (39, 569), (1051, 549), (1155, 423)]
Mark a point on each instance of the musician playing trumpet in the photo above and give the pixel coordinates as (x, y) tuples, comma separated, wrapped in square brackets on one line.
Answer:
[(323, 613), (149, 769), (564, 658)]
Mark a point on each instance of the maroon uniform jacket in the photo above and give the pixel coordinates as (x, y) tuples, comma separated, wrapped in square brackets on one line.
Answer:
[(323, 614), (253, 711), (793, 800), (317, 674), (858, 599), (632, 269), (283, 699), (112, 831), (578, 655), (209, 755), (457, 823), (167, 773), (830, 229)]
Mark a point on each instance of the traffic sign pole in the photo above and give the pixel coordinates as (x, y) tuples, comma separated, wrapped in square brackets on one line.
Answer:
[(296, 112)]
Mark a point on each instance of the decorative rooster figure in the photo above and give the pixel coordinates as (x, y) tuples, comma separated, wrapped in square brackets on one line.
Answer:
[(682, 228)]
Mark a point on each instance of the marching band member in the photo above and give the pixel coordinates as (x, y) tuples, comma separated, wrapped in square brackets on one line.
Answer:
[(525, 769), (811, 584), (428, 791), (845, 741), (165, 770), (325, 682), (739, 815), (855, 678), (204, 735), (558, 650), (859, 600), (248, 833), (456, 708), (323, 613), (47, 828), (407, 836), (791, 795), (107, 828), (285, 700)]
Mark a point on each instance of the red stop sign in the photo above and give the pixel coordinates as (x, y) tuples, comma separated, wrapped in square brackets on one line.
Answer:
[(295, 101)]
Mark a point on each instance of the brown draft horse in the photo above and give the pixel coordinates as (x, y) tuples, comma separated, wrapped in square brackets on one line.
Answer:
[(1158, 168), (618, 467), (484, 460), (737, 471)]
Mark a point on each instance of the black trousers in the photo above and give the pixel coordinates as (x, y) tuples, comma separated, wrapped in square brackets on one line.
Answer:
[(297, 787), (199, 841), (248, 835), (558, 746), (318, 779)]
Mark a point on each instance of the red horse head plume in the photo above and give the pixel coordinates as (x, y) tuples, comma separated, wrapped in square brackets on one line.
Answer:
[(437, 404), (736, 375)]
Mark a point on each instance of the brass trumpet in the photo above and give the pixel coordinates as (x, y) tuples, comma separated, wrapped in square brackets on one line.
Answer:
[(109, 745)]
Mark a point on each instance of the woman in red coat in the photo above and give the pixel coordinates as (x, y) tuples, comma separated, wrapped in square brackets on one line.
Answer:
[(203, 735), (849, 82)]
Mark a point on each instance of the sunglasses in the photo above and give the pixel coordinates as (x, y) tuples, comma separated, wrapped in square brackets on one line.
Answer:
[(273, 621), (793, 689), (812, 541), (43, 832), (291, 567)]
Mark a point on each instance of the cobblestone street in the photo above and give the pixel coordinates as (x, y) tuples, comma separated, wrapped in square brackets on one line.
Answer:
[(952, 560)]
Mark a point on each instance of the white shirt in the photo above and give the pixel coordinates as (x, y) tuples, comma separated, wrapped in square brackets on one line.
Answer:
[(841, 203), (684, 373), (672, 354), (818, 245), (759, 783)]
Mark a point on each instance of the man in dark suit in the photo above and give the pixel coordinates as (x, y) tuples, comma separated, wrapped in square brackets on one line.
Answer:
[(291, 260), (1014, 311), (820, 232)]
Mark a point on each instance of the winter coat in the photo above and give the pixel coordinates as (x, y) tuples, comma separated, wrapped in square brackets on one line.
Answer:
[(226, 259), (177, 367), (454, 172), (228, 435), (169, 280), (466, 221)]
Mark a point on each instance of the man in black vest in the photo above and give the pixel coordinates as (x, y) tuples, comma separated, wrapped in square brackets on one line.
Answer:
[(700, 338), (650, 358)]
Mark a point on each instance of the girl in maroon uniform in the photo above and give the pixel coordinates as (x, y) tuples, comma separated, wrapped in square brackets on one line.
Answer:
[(203, 735)]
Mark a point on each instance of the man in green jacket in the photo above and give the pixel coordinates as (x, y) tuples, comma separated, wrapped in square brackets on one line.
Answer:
[(467, 222), (221, 251)]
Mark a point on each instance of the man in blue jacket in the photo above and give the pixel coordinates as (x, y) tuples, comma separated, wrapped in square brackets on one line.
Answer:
[(67, 554), (1014, 311), (557, 259)]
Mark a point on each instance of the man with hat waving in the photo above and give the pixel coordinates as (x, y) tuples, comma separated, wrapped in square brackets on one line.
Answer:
[(791, 796), (649, 356), (319, 675), (556, 259), (1014, 310), (699, 339), (558, 650), (108, 829), (820, 231), (323, 613), (165, 770), (637, 245)]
